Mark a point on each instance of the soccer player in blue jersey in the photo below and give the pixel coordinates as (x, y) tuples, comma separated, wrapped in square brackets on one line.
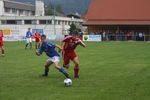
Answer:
[(53, 55), (28, 39)]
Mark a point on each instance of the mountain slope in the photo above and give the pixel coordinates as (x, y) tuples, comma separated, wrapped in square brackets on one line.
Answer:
[(68, 6)]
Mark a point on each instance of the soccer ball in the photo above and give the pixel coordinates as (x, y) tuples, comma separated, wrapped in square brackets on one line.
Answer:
[(68, 82)]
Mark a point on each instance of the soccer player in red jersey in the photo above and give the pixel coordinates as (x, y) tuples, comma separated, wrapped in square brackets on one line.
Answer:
[(37, 39), (70, 43), (2, 43)]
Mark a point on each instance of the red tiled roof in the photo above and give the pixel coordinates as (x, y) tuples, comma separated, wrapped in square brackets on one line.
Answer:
[(133, 11), (117, 23)]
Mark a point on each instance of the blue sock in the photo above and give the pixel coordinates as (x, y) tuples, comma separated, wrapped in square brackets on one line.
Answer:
[(63, 71), (30, 46)]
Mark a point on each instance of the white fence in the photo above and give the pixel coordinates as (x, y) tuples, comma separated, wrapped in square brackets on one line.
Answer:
[(18, 32)]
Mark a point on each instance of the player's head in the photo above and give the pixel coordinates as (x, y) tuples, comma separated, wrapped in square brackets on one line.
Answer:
[(29, 29), (43, 38), (75, 33)]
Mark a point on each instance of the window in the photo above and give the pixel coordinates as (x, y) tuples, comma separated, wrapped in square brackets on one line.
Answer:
[(59, 22), (55, 22), (30, 21), (49, 21), (66, 23), (11, 22), (20, 12), (14, 11), (27, 12), (69, 23), (62, 22), (34, 22), (33, 13), (3, 22), (42, 22), (19, 22), (7, 10), (27, 22)]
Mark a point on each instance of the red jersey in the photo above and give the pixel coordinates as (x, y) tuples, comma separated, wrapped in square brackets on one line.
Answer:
[(1, 36), (37, 35), (71, 43)]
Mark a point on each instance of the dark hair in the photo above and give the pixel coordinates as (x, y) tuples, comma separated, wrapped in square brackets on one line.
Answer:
[(75, 33), (43, 36)]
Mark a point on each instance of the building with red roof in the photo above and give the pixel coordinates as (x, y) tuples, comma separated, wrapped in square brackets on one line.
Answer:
[(114, 16)]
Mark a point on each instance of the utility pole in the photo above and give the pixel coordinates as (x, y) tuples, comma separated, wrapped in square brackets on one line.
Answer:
[(54, 20)]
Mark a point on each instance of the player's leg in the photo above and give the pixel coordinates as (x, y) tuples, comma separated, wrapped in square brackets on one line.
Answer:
[(76, 67), (30, 45), (46, 70), (27, 42), (2, 48), (3, 51), (26, 45), (56, 60), (30, 41), (66, 60), (38, 45), (56, 64)]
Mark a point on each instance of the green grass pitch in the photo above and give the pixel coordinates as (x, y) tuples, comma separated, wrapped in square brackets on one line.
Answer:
[(109, 71)]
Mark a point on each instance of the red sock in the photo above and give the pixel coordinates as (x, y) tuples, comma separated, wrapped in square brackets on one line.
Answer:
[(76, 70), (3, 51)]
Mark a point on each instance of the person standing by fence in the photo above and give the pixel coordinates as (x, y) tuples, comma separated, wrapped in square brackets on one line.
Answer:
[(2, 43), (28, 38)]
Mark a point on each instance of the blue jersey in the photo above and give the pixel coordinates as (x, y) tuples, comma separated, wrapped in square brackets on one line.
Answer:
[(28, 34), (49, 49)]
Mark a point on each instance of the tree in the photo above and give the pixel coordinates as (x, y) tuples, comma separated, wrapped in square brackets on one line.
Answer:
[(50, 9), (48, 12), (74, 29)]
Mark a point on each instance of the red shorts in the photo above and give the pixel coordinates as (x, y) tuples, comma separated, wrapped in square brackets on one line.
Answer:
[(1, 43), (37, 39), (67, 57)]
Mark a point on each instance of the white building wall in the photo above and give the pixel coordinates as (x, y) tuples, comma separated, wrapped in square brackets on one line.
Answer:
[(39, 8), (3, 13), (48, 29), (1, 7), (20, 30)]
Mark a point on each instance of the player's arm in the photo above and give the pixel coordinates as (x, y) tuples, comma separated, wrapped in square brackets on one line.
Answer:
[(31, 35), (40, 51), (35, 35), (26, 35), (39, 35), (59, 47), (64, 40), (37, 53), (61, 43), (82, 44)]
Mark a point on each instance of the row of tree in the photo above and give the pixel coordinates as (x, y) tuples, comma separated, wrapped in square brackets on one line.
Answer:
[(52, 9), (73, 29), (56, 9)]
